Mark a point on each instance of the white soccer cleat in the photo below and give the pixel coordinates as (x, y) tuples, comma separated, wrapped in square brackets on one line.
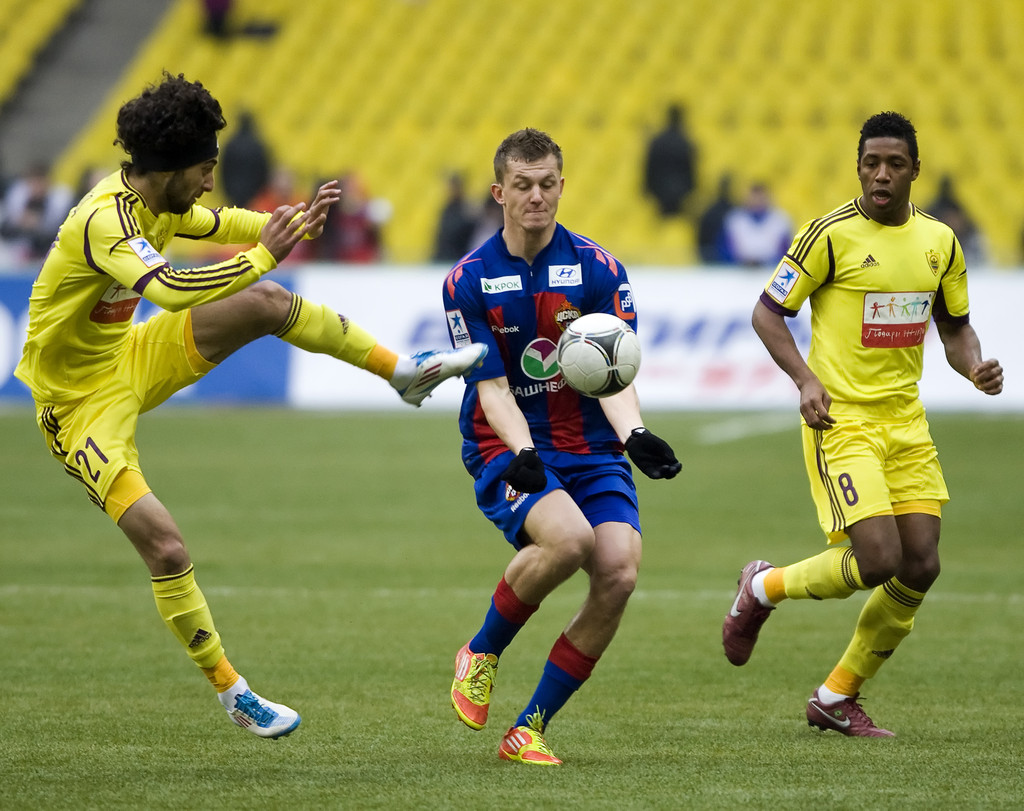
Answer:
[(263, 718), (434, 367)]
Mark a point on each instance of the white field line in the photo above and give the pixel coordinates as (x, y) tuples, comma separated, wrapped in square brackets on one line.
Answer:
[(734, 428), (14, 590)]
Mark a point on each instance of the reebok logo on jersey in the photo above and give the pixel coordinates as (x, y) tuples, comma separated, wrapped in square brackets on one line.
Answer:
[(149, 255), (869, 262), (565, 275), (503, 284)]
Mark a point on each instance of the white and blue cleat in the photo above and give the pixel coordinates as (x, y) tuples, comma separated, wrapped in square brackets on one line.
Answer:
[(263, 718), (434, 367)]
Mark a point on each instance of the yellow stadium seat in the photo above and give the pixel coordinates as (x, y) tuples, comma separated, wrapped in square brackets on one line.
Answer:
[(404, 92)]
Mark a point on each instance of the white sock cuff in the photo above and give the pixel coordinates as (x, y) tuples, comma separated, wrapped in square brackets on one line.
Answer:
[(757, 586), (227, 698)]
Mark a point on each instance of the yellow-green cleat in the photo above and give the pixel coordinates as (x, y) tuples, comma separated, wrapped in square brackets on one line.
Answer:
[(472, 686), (527, 745)]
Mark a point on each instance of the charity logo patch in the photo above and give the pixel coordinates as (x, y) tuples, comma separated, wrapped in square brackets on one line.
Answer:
[(149, 255), (540, 359), (782, 282), (117, 304), (896, 320), (565, 275), (503, 284)]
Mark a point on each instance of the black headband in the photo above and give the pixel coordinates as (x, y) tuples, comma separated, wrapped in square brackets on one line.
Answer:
[(155, 160)]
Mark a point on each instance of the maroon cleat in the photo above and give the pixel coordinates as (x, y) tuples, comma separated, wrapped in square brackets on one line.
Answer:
[(847, 718), (745, 618)]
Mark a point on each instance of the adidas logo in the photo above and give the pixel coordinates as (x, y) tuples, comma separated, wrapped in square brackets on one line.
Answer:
[(200, 637), (869, 262)]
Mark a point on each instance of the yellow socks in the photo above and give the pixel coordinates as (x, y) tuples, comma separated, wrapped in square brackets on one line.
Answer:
[(184, 611), (315, 328), (222, 675), (885, 620), (843, 682), (833, 574)]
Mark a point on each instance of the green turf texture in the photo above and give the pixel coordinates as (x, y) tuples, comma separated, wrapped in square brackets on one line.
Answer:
[(345, 563)]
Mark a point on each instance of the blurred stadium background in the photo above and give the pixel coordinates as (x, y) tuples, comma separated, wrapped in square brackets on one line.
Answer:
[(406, 91)]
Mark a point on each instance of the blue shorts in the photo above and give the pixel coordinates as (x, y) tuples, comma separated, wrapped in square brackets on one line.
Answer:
[(601, 484)]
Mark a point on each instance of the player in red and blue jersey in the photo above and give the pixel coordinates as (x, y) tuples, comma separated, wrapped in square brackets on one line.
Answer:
[(548, 463)]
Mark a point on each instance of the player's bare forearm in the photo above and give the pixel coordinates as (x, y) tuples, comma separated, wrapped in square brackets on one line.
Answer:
[(963, 353), (623, 411), (503, 413), (815, 401)]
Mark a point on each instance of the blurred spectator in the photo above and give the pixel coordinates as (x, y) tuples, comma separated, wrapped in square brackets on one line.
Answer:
[(711, 227), (216, 14), (946, 207), (279, 191), (757, 233), (353, 229), (33, 209), (670, 165), (489, 219), (456, 225), (90, 176), (244, 163)]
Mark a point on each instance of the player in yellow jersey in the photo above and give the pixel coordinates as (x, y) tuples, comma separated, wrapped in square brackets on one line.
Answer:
[(92, 371), (876, 271)]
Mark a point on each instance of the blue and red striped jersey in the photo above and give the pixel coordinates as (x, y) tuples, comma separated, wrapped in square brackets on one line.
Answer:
[(520, 311)]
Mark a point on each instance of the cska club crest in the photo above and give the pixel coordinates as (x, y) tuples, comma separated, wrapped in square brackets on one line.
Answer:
[(933, 261)]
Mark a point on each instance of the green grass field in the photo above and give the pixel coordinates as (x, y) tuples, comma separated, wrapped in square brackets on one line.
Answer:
[(345, 562)]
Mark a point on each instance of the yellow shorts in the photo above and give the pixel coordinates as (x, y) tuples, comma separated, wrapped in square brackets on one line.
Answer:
[(863, 468), (94, 438)]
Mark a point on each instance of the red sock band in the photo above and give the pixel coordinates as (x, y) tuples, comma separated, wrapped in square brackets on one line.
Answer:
[(571, 659), (511, 607)]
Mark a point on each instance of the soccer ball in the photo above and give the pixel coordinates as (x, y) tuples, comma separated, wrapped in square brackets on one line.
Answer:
[(598, 355)]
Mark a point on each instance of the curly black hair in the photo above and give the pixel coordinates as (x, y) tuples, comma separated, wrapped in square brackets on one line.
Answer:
[(167, 123), (889, 125)]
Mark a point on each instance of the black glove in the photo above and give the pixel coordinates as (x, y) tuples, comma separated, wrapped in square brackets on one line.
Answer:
[(526, 472), (652, 455)]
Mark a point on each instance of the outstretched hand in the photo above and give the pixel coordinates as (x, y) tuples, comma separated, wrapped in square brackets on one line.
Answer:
[(288, 224), (326, 196)]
